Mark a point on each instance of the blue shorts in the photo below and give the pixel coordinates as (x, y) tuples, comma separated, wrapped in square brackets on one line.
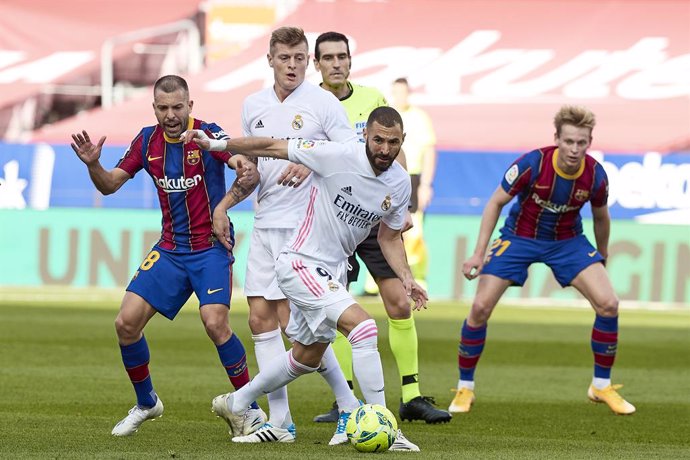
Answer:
[(166, 279), (510, 257)]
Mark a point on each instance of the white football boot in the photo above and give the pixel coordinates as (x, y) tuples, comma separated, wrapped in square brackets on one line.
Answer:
[(136, 416), (402, 444), (269, 433), (340, 435)]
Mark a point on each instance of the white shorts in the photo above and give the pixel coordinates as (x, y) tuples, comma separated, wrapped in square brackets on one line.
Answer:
[(317, 296), (265, 245)]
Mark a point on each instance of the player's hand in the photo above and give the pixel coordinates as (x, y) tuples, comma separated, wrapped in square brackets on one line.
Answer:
[(472, 267), (294, 175), (246, 171), (85, 149), (198, 136), (417, 293), (221, 227)]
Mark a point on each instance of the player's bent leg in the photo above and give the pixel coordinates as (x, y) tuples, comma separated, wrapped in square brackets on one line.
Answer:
[(594, 284), (230, 349), (134, 313), (232, 407), (472, 339), (362, 333), (266, 324)]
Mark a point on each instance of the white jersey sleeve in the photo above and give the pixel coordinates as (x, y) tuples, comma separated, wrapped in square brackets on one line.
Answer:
[(323, 157), (402, 191)]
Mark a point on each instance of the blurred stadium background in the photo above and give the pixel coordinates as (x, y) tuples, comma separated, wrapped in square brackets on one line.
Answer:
[(491, 74)]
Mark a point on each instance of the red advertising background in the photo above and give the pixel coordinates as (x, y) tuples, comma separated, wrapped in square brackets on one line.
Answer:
[(491, 74)]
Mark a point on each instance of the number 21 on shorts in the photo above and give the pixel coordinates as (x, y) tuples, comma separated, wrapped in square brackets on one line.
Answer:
[(498, 247)]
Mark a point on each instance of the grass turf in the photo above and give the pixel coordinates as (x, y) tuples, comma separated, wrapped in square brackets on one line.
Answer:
[(63, 386)]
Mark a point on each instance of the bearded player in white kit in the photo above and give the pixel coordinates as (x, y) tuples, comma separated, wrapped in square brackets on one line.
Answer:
[(354, 186)]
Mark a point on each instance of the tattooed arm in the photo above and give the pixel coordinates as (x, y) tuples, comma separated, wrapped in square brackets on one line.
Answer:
[(243, 186)]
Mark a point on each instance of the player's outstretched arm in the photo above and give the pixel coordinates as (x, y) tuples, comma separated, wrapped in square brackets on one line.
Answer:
[(250, 146), (394, 251), (106, 182), (472, 267)]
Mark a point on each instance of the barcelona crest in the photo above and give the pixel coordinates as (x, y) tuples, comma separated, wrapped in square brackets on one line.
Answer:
[(581, 195), (193, 157)]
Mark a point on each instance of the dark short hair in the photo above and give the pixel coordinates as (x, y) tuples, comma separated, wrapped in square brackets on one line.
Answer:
[(330, 37), (402, 81), (170, 83), (385, 116)]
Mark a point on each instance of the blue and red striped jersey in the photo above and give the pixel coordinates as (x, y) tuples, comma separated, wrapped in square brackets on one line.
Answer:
[(549, 200), (190, 183)]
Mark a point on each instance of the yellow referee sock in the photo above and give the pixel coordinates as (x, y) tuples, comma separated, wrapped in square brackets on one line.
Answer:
[(402, 336), (343, 351)]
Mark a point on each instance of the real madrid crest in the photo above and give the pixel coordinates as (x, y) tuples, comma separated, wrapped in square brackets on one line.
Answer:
[(386, 205), (333, 286), (297, 122), (193, 157)]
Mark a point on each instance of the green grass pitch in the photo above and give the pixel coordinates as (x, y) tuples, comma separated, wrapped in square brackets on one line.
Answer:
[(63, 385)]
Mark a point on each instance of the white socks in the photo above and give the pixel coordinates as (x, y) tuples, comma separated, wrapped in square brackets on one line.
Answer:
[(469, 384), (267, 346), (366, 361), (600, 384), (280, 371)]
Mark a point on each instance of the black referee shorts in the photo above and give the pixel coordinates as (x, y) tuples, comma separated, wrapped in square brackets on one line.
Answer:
[(370, 253)]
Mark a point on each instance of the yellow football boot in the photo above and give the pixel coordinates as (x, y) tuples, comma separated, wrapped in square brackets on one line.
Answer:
[(610, 396), (464, 397)]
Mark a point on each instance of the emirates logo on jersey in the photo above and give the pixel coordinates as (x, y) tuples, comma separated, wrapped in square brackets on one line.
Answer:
[(297, 122), (193, 157), (386, 205), (581, 195)]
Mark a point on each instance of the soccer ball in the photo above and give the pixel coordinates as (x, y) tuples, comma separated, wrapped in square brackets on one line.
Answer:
[(371, 428)]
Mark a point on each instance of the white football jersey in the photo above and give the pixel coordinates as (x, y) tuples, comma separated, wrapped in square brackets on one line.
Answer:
[(346, 199), (309, 112)]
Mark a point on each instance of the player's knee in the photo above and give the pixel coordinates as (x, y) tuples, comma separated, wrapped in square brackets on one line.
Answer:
[(217, 328), (260, 322), (399, 309), (608, 307), (126, 331), (480, 312)]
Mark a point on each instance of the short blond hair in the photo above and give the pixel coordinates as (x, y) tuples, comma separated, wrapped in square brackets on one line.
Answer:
[(290, 36), (575, 115)]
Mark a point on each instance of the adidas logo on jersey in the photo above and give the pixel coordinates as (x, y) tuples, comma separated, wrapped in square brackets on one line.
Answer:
[(347, 190), (259, 124)]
